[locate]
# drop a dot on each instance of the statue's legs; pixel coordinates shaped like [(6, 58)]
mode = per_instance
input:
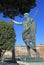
[(33, 43), (28, 48), (34, 47)]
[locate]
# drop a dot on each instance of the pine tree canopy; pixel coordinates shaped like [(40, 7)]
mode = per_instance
[(11, 8)]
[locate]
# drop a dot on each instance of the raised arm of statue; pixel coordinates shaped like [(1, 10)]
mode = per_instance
[(19, 23)]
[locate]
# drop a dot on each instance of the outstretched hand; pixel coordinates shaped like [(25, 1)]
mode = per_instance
[(16, 22)]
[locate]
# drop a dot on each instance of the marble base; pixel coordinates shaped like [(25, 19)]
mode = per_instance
[(30, 63)]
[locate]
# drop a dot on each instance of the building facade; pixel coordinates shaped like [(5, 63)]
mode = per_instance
[(22, 51)]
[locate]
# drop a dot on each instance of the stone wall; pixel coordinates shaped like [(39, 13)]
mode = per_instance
[(21, 50)]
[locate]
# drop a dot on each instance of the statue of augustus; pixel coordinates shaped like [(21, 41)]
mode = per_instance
[(29, 33)]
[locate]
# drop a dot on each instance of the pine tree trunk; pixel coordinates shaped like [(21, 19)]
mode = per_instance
[(0, 53), (13, 56)]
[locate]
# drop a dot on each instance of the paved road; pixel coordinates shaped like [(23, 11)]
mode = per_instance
[(5, 63)]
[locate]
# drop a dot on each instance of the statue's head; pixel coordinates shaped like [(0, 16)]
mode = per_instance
[(26, 15)]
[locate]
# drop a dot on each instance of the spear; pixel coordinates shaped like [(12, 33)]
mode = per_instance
[(36, 13)]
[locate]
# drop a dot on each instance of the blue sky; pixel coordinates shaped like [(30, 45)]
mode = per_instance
[(39, 20)]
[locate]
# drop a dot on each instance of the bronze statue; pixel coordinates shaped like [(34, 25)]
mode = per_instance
[(28, 33)]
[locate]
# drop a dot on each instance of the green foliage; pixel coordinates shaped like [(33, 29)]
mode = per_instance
[(7, 36), (11, 8)]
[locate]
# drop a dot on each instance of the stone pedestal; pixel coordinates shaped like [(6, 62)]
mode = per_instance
[(31, 59), (30, 63)]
